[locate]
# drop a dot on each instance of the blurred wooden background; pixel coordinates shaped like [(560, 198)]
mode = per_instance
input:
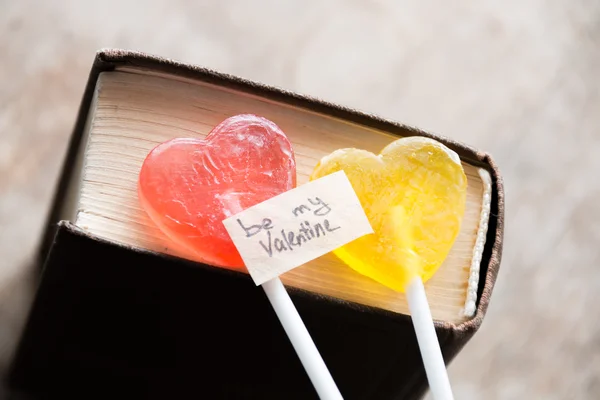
[(520, 79)]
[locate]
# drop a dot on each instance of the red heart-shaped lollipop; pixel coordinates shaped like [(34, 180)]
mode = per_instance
[(189, 186)]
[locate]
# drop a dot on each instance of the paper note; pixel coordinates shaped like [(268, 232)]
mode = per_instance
[(297, 226)]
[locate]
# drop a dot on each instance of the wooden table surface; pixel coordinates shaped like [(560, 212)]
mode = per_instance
[(520, 79)]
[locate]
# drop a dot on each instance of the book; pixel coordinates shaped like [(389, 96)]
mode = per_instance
[(102, 252)]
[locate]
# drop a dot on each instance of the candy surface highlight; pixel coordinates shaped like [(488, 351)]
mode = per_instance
[(189, 186), (414, 194)]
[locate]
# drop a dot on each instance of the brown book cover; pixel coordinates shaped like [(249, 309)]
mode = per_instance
[(111, 320)]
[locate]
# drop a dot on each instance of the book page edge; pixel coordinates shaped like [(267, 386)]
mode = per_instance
[(71, 205), (473, 282), (473, 286)]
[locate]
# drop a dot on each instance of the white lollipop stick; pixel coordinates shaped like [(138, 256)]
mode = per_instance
[(439, 384), (303, 344)]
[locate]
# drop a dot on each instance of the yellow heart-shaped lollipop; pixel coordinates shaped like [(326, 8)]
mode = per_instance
[(414, 195)]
